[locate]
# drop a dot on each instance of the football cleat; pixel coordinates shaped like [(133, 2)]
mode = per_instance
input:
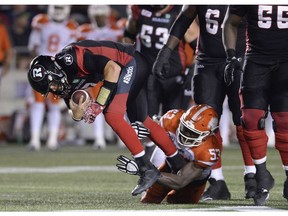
[(147, 179), (285, 190), (265, 182), (216, 191), (250, 185)]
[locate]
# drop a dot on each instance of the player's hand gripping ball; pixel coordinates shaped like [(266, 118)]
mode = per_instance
[(79, 102)]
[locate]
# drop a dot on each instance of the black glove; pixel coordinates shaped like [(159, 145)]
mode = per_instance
[(232, 64), (161, 65), (127, 166), (141, 131)]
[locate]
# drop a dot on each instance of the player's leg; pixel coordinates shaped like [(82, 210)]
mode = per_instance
[(190, 194), (253, 121), (36, 114), (54, 120), (208, 89), (235, 107), (156, 193), (98, 131), (279, 109)]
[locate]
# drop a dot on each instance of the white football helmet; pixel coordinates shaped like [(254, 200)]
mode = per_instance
[(59, 13), (98, 14), (196, 124), (99, 10)]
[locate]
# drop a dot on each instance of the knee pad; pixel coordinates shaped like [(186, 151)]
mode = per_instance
[(280, 121), (253, 119)]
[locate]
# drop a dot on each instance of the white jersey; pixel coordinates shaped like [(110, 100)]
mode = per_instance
[(49, 37), (87, 31)]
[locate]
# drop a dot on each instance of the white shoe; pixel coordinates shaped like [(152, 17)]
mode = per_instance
[(99, 144), (52, 146), (34, 146)]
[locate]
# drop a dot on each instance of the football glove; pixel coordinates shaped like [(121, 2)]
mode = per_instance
[(92, 112), (161, 66), (233, 64), (127, 166), (141, 131)]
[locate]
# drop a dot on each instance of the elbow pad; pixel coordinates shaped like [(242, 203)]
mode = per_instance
[(180, 26)]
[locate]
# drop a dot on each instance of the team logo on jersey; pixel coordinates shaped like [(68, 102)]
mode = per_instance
[(37, 73), (68, 59), (128, 75), (146, 13)]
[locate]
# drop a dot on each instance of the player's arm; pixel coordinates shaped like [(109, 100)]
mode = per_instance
[(230, 30), (187, 174), (161, 66), (181, 25), (130, 31)]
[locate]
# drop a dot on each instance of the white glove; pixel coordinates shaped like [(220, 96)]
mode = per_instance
[(141, 131), (127, 166)]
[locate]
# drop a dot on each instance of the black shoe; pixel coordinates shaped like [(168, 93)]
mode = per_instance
[(285, 190), (250, 185), (147, 179), (265, 182), (216, 191)]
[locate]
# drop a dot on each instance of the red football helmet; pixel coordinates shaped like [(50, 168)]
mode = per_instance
[(196, 124)]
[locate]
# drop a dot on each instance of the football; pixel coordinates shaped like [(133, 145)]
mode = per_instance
[(75, 97)]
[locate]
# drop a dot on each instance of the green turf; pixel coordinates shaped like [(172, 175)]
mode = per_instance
[(104, 190)]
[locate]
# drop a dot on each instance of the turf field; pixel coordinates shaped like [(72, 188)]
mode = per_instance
[(78, 178)]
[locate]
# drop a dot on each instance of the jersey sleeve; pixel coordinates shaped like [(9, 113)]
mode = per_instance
[(239, 10), (208, 153)]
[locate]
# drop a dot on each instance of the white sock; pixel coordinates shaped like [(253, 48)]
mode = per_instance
[(36, 121), (217, 174), (158, 157)]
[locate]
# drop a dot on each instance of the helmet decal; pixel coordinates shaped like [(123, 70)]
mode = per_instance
[(68, 59), (38, 73)]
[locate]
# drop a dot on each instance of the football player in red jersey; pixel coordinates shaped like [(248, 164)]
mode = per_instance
[(209, 85), (192, 132), (120, 72), (264, 83)]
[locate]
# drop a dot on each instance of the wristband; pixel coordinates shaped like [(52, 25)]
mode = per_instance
[(230, 53), (105, 92)]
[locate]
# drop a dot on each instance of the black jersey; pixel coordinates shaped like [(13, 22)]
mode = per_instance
[(210, 47), (267, 28), (153, 30), (84, 61)]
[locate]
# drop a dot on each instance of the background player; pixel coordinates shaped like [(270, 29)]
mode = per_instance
[(264, 83), (148, 28), (100, 28), (208, 82), (50, 33)]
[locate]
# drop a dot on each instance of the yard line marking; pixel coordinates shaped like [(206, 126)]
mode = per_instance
[(58, 169), (73, 169)]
